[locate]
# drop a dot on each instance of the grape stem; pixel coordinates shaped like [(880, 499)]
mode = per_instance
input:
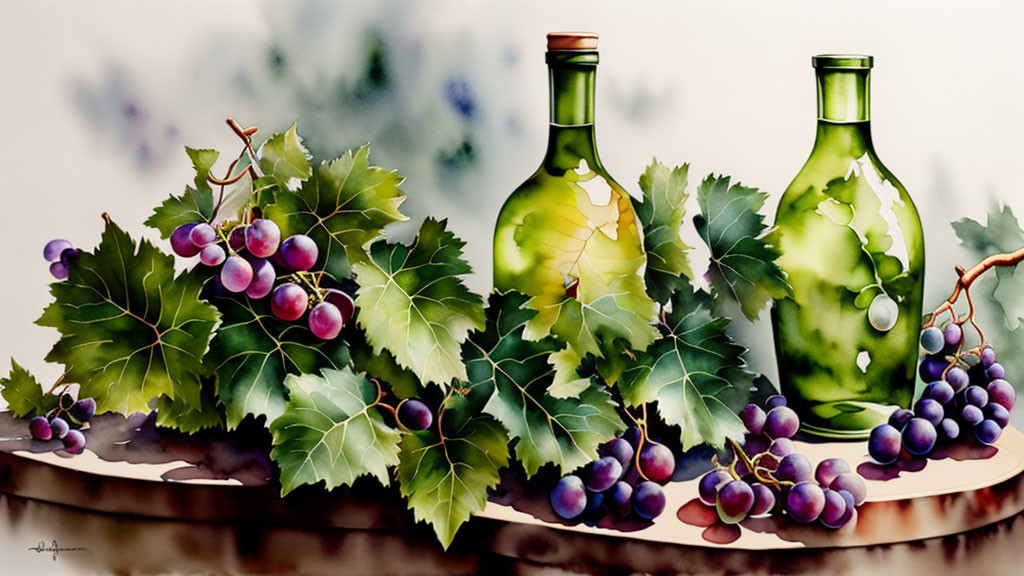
[(387, 407), (641, 424)]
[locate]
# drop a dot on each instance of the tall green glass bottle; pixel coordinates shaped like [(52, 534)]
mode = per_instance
[(852, 244), (569, 226)]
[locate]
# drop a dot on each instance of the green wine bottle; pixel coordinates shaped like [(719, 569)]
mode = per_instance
[(852, 245), (569, 231)]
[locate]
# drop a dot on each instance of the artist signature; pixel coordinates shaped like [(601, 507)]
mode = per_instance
[(54, 548)]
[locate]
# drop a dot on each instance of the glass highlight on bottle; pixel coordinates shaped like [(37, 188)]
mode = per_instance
[(852, 245)]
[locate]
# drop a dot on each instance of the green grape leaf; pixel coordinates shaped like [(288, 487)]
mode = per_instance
[(742, 258), (446, 478), (661, 213), (567, 382), (24, 395), (195, 205), (694, 373), (344, 206), (130, 330), (175, 414), (254, 351), (285, 160), (515, 376), (412, 302), (382, 366), (331, 431), (1001, 234)]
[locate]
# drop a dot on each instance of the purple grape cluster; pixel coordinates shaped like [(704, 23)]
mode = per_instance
[(960, 403), (613, 484), (250, 257), (65, 423), (61, 255), (768, 476)]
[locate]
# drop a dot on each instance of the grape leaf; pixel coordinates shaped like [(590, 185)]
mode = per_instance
[(661, 214), (254, 351), (284, 159), (24, 395), (343, 207), (173, 413), (742, 259), (412, 302), (382, 366), (446, 478), (1001, 234), (515, 376), (331, 431), (195, 205), (693, 372), (567, 382), (130, 330)]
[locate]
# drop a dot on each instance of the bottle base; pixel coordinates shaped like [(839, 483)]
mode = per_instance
[(844, 420)]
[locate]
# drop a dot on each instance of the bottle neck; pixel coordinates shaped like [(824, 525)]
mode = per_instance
[(843, 95), (571, 81)]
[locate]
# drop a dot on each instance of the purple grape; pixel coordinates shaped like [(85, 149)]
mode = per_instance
[(594, 509), (988, 356), (601, 474), (884, 444), (919, 436), (976, 396), (299, 252), (181, 243), (782, 447), (805, 502), (710, 483), (236, 274), (957, 380), (289, 301), (775, 401), (753, 418), (74, 442), (997, 413), (620, 498), (755, 444), (995, 372), (619, 449), (657, 462), (735, 498), (953, 335), (971, 414), (1000, 392), (851, 510), (930, 410), (828, 469), (987, 432), (941, 392), (932, 340), (415, 415), (39, 428), (262, 238), (59, 270), (568, 498), (236, 240), (69, 256), (343, 301), (948, 429), (54, 248), (794, 468), (263, 276), (83, 410), (59, 427), (325, 321), (834, 509), (900, 417), (648, 500), (932, 367), (632, 435), (202, 235), (764, 500), (853, 483), (212, 255), (781, 422)]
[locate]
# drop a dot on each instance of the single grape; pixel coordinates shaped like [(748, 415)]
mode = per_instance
[(764, 500), (828, 469), (853, 483), (930, 410), (775, 401), (415, 415), (987, 432), (620, 498), (900, 417), (755, 443), (782, 447), (948, 429), (735, 498), (632, 435), (69, 256), (236, 274), (343, 301), (83, 410), (805, 502), (59, 270), (995, 372), (952, 334), (753, 418), (997, 413), (919, 436), (39, 428), (971, 414), (181, 243), (74, 442), (834, 509), (262, 238), (851, 511), (202, 235), (601, 474), (657, 462), (794, 468), (619, 449), (988, 356), (289, 301), (236, 240), (710, 483), (931, 367), (568, 498), (941, 392), (212, 255), (54, 248), (263, 277), (884, 444), (781, 422), (932, 340), (957, 379), (594, 509), (325, 321), (299, 252), (59, 427), (648, 500), (976, 396), (1000, 392)]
